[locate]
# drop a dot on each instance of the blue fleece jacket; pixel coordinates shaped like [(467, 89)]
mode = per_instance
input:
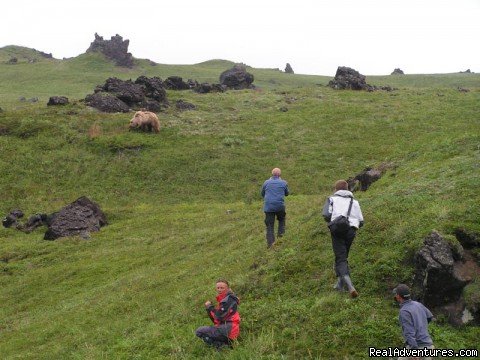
[(414, 319), (274, 191)]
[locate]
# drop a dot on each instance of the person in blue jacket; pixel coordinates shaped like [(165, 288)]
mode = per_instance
[(273, 192), (414, 318)]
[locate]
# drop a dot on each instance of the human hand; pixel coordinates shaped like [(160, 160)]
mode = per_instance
[(208, 304)]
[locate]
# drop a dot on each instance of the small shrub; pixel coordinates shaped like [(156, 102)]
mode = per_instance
[(231, 142)]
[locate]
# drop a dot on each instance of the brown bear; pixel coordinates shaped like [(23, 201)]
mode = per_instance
[(146, 121)]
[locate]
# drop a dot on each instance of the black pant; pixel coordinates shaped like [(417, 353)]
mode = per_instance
[(341, 244), (213, 336), (270, 223)]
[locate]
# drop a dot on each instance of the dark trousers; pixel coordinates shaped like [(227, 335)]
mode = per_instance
[(270, 223), (341, 244), (213, 336)]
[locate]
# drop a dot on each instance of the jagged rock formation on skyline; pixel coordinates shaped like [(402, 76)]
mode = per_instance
[(397, 71), (288, 69), (115, 49)]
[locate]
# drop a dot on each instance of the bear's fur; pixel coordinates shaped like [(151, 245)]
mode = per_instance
[(146, 121)]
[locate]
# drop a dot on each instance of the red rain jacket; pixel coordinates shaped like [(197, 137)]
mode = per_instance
[(225, 315)]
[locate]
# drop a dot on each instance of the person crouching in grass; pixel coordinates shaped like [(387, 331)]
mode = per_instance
[(225, 318)]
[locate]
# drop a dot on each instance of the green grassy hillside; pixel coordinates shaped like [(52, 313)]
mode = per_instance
[(184, 209)]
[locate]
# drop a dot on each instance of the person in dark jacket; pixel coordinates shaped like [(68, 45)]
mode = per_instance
[(336, 206), (414, 318), (225, 318), (273, 192)]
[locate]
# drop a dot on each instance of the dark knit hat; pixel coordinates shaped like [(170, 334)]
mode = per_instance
[(402, 290)]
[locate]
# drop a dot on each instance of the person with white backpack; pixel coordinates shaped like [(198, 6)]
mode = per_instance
[(344, 217)]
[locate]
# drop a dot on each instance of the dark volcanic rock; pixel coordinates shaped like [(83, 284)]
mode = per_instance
[(79, 218), (237, 78), (154, 87), (127, 91), (348, 78), (116, 49), (176, 83), (440, 277), (398, 71), (205, 88), (153, 105), (12, 218), (106, 103), (368, 176), (192, 83), (183, 105), (36, 221), (288, 69), (365, 178), (120, 95), (468, 239), (57, 100)]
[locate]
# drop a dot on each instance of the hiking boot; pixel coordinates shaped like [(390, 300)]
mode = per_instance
[(347, 281), (339, 286)]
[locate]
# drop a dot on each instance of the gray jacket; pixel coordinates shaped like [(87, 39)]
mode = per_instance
[(414, 319), (338, 204)]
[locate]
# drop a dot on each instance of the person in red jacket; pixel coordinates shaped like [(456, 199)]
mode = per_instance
[(225, 317)]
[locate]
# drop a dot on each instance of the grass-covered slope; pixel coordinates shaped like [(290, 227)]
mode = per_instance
[(184, 209)]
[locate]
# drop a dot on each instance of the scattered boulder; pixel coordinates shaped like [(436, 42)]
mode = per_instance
[(154, 88), (442, 271), (12, 61), (469, 240), (153, 105), (121, 95), (398, 71), (237, 78), (288, 69), (466, 72), (57, 100), (367, 177), (115, 49), (183, 105), (283, 109), (125, 90), (348, 78), (36, 221), (461, 89), (205, 88), (106, 103), (192, 83), (76, 219), (11, 220), (176, 83)]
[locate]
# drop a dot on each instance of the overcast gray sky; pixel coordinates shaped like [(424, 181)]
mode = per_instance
[(314, 36)]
